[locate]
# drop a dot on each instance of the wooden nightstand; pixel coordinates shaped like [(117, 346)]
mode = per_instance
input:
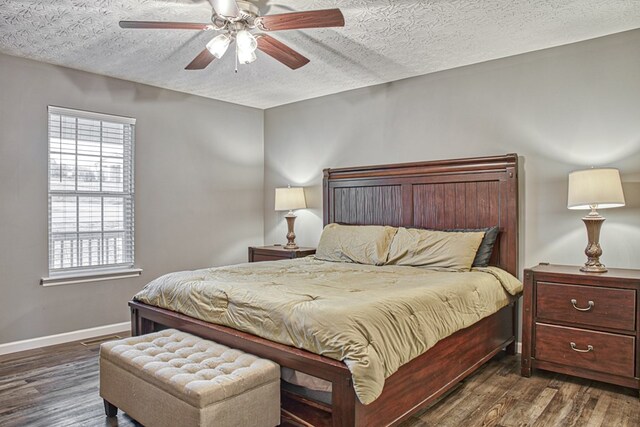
[(582, 324), (275, 253)]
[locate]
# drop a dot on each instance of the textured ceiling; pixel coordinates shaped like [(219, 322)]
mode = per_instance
[(383, 40)]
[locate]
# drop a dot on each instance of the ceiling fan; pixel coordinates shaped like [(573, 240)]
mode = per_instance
[(235, 20)]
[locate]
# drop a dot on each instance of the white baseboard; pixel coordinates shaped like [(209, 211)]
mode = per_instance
[(83, 334)]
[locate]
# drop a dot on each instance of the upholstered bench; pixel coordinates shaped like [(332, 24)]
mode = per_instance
[(171, 378)]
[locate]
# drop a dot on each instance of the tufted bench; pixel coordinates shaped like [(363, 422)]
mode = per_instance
[(171, 378)]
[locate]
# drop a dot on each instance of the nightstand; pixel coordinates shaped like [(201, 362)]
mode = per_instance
[(275, 253), (582, 324)]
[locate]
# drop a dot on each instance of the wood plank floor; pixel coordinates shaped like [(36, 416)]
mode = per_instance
[(58, 386)]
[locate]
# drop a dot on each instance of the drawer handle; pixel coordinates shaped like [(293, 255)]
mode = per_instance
[(574, 348), (574, 302)]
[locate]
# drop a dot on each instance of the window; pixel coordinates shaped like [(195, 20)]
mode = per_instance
[(90, 192)]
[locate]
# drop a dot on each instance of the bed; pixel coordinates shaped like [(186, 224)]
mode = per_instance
[(448, 194)]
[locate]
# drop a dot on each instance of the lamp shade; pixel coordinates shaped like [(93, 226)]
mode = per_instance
[(600, 187), (219, 45), (290, 198)]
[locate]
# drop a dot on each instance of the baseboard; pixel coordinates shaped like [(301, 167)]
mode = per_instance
[(83, 334)]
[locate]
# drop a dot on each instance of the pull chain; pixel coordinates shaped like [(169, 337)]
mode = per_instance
[(236, 58)]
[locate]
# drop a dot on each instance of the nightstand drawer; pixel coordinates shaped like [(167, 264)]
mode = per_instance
[(587, 305), (263, 257), (597, 351)]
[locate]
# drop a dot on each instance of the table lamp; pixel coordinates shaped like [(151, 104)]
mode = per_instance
[(594, 189), (288, 199)]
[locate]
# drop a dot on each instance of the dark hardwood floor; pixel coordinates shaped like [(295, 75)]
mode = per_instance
[(58, 386)]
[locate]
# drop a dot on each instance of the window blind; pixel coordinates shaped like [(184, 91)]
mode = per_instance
[(91, 191)]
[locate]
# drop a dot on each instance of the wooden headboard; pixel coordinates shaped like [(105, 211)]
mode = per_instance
[(442, 194)]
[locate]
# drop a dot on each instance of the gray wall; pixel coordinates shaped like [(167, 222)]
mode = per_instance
[(560, 109), (199, 191)]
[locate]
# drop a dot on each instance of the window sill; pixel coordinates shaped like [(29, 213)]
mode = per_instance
[(87, 277)]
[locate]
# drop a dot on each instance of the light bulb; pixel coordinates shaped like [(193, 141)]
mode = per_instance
[(246, 40), (219, 45), (246, 56)]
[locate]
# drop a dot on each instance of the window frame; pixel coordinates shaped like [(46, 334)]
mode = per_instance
[(72, 275)]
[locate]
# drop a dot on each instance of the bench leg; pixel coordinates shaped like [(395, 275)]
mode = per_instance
[(109, 409)]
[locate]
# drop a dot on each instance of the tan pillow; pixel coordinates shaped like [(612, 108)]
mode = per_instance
[(362, 244), (434, 249)]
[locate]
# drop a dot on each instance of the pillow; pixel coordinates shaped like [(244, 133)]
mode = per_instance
[(436, 249), (362, 244), (483, 256)]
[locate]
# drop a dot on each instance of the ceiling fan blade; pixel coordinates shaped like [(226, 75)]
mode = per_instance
[(165, 25), (226, 8), (281, 52), (299, 20), (201, 61)]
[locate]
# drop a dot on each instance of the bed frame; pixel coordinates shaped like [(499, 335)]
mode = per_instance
[(444, 194)]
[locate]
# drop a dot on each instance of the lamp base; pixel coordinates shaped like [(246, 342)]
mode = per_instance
[(593, 222), (291, 236), (600, 268)]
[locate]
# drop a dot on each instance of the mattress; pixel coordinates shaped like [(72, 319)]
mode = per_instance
[(373, 318)]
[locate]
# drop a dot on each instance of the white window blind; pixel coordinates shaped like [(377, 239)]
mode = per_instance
[(90, 191)]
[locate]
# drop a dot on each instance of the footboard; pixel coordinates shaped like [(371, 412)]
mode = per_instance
[(412, 387)]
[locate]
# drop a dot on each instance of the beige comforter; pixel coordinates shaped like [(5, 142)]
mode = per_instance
[(373, 318)]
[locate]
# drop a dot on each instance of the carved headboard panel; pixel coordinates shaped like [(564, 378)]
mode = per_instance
[(443, 194)]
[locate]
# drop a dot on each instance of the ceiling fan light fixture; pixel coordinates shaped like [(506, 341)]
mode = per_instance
[(219, 45), (246, 56), (236, 19), (246, 41)]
